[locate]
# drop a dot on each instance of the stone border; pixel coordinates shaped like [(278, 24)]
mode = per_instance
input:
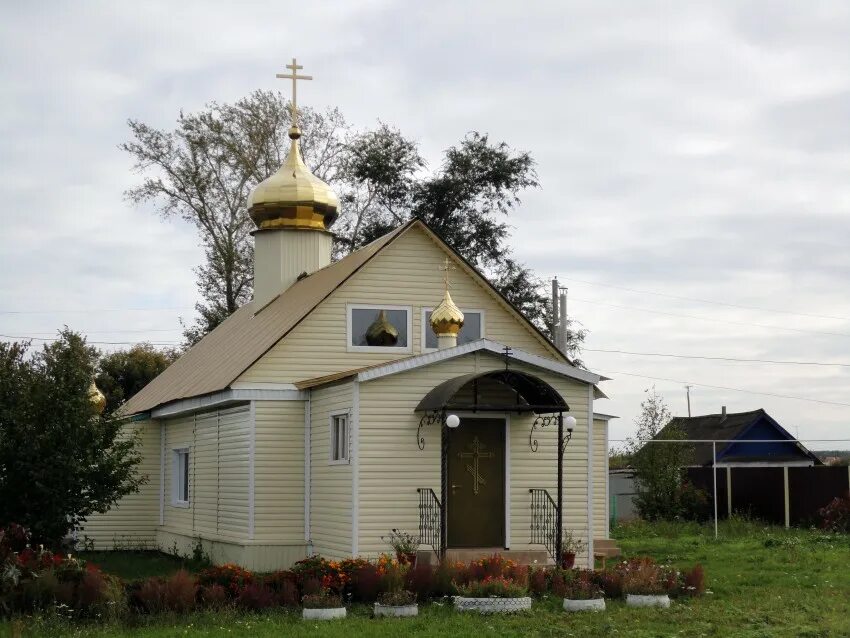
[(331, 613), (493, 605), (644, 600), (396, 611), (592, 604)]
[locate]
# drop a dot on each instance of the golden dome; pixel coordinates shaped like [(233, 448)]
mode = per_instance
[(446, 319), (96, 398), (381, 332), (293, 197)]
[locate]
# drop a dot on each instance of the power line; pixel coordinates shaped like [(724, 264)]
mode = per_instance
[(99, 332), (707, 301), (707, 358), (723, 387), (738, 323), (100, 343)]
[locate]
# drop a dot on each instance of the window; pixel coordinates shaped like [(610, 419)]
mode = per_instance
[(473, 328), (180, 478), (379, 328), (339, 438)]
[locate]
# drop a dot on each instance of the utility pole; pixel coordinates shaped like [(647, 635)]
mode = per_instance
[(688, 393), (555, 313)]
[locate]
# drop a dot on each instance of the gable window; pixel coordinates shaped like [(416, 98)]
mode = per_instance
[(180, 478), (379, 328), (473, 328), (339, 438)]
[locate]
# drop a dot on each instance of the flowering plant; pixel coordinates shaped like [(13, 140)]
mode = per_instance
[(322, 600), (403, 543), (582, 586), (493, 587), (232, 577)]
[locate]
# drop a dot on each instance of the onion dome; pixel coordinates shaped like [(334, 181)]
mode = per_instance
[(96, 398), (382, 332), (447, 319), (293, 197)]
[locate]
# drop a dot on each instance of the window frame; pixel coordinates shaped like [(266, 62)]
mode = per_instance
[(427, 326), (332, 437), (181, 479), (349, 323)]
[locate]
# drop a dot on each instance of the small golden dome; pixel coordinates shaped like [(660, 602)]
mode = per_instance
[(382, 332), (96, 398), (293, 197), (446, 319)]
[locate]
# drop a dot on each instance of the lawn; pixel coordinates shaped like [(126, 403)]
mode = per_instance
[(763, 582)]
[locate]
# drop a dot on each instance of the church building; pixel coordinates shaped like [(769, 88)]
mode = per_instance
[(392, 389)]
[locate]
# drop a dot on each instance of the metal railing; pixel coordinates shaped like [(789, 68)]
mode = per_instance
[(429, 518), (544, 521)]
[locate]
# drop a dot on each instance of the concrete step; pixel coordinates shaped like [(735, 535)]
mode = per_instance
[(468, 554)]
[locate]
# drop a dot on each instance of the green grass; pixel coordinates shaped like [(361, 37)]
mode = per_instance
[(764, 582)]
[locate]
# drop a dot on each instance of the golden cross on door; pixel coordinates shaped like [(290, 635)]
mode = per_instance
[(446, 267), (476, 455), (295, 67)]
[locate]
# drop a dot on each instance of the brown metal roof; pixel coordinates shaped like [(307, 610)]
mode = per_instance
[(220, 357)]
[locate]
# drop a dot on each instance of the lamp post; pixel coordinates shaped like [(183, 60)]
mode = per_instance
[(570, 423)]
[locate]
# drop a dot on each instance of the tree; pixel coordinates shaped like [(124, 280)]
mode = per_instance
[(122, 373), (661, 491), (204, 170), (60, 460)]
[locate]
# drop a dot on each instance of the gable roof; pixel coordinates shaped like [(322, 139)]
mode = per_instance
[(224, 354), (728, 428), (378, 370)]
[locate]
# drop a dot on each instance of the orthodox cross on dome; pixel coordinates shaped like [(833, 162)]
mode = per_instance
[(446, 267), (476, 455), (295, 67)]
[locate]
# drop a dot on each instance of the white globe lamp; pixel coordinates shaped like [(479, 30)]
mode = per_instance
[(453, 420), (570, 422)]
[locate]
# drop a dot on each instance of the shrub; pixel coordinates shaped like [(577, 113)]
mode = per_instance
[(538, 582), (151, 595), (493, 587), (422, 581), (255, 597), (283, 585), (180, 592), (311, 587), (367, 583), (835, 517), (321, 600), (232, 577), (582, 586), (397, 598), (693, 581), (611, 582), (644, 576), (214, 596), (446, 578)]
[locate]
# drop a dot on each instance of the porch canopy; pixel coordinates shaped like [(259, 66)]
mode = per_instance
[(523, 393)]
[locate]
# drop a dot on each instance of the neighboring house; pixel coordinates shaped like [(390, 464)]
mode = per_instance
[(315, 418), (732, 430)]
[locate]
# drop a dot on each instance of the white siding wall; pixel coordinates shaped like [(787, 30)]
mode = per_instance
[(330, 495), (219, 444), (392, 467), (133, 520), (600, 476), (406, 273), (279, 468)]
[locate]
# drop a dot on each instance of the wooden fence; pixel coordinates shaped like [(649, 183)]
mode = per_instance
[(782, 495)]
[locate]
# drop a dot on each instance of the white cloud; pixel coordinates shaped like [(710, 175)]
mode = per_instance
[(697, 150)]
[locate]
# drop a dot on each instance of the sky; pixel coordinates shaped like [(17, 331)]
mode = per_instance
[(693, 161)]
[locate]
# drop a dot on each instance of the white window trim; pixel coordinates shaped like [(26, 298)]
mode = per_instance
[(426, 326), (331, 417), (176, 450), (362, 306)]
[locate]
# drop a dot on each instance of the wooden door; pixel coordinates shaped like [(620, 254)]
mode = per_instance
[(476, 484)]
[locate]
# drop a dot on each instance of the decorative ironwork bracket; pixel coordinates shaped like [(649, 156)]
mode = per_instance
[(429, 418), (541, 421), (565, 441)]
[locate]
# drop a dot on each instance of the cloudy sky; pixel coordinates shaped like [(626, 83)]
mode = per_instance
[(694, 164)]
